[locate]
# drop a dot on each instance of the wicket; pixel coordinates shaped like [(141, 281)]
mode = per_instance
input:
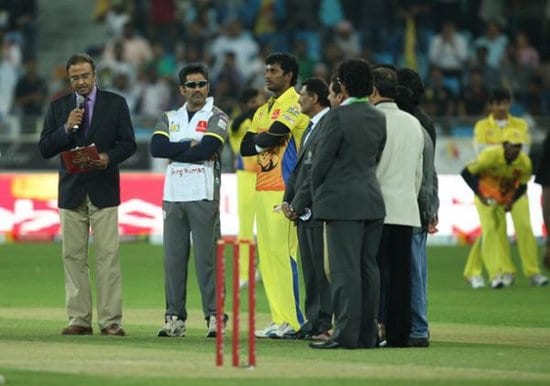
[(220, 302)]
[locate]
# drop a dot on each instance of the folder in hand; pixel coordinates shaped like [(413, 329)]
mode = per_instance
[(79, 159)]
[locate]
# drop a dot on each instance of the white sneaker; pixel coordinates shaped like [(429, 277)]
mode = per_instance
[(476, 282), (539, 280), (508, 279), (267, 331), (211, 324), (172, 327), (243, 283), (285, 331), (497, 282)]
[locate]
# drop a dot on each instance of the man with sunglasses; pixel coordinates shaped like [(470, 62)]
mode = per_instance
[(90, 199), (191, 138)]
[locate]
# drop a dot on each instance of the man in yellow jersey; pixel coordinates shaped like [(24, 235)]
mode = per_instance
[(246, 169), (276, 131), (489, 131), (499, 179)]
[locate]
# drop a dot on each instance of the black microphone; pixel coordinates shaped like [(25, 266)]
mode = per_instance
[(80, 105)]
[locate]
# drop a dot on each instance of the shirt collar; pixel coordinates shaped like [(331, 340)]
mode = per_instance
[(317, 117)]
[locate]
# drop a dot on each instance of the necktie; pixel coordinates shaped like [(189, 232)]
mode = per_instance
[(85, 118), (308, 131)]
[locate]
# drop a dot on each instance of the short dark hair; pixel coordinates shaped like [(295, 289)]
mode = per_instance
[(288, 63), (411, 80), (192, 68), (385, 81), (356, 75), (498, 94), (247, 94), (318, 87), (80, 58)]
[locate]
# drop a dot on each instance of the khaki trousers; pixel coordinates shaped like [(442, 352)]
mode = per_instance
[(75, 227)]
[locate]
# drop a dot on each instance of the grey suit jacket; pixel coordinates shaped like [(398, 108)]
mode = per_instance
[(298, 188), (343, 172)]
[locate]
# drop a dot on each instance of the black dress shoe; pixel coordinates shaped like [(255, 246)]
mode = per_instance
[(303, 335), (328, 344)]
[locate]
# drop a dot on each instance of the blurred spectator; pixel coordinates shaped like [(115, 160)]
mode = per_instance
[(347, 39), (122, 85), (449, 52), (514, 75), (21, 24), (8, 80), (163, 61), (109, 68), (301, 20), (155, 94), (475, 95), (438, 99), (305, 63), (115, 14), (11, 48), (528, 55), (136, 50), (320, 70), (230, 73), (495, 41), (234, 39), (265, 24), (491, 76), (30, 94), (162, 23)]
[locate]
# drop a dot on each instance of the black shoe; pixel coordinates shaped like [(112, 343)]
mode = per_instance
[(303, 335), (418, 342), (328, 344)]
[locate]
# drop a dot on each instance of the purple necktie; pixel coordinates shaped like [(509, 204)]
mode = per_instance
[(85, 118)]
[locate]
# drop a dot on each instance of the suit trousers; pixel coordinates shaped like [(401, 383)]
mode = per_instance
[(355, 280), (317, 299), (199, 220), (75, 228), (394, 260)]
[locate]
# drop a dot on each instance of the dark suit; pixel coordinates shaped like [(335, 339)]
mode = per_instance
[(347, 196), (310, 239), (112, 132), (89, 200)]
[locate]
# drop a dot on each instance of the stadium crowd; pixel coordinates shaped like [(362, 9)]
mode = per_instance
[(461, 49)]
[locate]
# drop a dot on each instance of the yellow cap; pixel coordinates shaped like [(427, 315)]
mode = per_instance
[(513, 136)]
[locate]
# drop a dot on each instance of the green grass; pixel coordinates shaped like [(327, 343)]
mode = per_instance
[(482, 337)]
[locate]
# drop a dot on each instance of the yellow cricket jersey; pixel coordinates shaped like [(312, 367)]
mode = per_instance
[(498, 179), (249, 164), (488, 132), (276, 164)]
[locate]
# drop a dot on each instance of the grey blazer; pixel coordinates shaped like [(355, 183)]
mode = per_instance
[(343, 172)]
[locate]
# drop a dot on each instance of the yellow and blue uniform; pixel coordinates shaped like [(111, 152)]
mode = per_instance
[(499, 180), (246, 169), (277, 240), (490, 132)]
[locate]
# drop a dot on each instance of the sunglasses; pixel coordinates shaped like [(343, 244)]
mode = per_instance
[(199, 84)]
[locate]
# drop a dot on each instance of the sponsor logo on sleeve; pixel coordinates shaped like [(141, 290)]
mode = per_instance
[(275, 114), (202, 126)]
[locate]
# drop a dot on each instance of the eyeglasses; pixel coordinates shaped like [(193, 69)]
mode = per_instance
[(85, 76), (199, 84)]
